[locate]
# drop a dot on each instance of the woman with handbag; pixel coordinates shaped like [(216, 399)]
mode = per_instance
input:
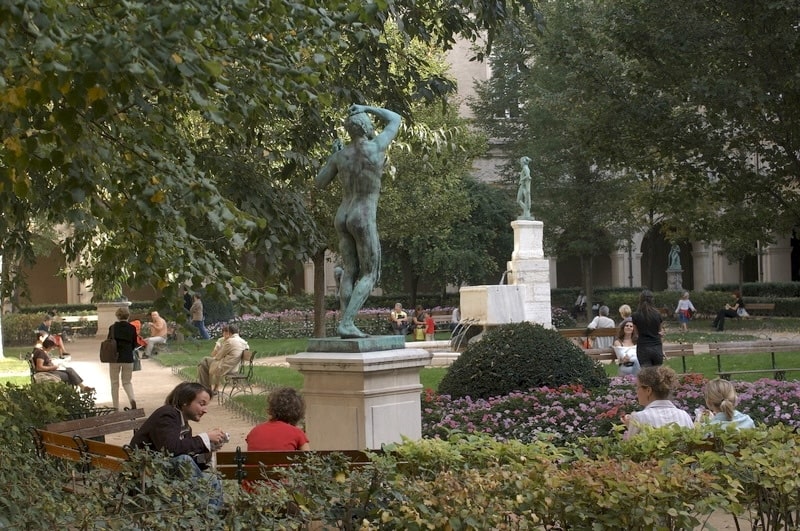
[(684, 311), (125, 335)]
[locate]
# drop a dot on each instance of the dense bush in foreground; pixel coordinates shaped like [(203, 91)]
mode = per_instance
[(670, 479)]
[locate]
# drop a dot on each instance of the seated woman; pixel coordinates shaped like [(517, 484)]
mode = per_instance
[(285, 408), (653, 387), (43, 363), (728, 311), (721, 400), (625, 349)]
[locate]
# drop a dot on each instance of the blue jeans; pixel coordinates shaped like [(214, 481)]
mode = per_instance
[(185, 462), (201, 327)]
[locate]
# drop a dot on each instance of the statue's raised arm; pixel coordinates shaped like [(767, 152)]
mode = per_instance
[(359, 166)]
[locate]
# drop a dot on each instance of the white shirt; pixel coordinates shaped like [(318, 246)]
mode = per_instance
[(656, 414), (601, 321)]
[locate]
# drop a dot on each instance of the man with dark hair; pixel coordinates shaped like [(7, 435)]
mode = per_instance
[(359, 166), (167, 430)]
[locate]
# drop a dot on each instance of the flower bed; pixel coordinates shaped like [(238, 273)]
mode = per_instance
[(567, 413)]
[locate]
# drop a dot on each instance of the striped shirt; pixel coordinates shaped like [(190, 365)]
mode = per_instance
[(656, 414)]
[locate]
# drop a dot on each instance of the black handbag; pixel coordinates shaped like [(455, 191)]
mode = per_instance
[(108, 349)]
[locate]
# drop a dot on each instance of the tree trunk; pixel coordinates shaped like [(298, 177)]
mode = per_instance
[(588, 285), (319, 293)]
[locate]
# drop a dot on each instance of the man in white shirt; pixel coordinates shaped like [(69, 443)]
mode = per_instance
[(602, 321)]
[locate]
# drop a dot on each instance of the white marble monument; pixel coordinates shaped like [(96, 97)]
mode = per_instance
[(526, 297)]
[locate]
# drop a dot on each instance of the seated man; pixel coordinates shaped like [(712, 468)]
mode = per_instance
[(167, 430), (399, 320), (601, 321), (158, 333), (224, 359)]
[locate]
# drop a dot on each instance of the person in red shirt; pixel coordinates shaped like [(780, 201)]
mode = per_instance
[(285, 408), (430, 327)]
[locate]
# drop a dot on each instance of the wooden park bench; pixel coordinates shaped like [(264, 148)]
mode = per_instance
[(759, 309), (87, 454), (579, 335), (721, 350), (85, 325), (671, 350), (100, 425), (242, 466)]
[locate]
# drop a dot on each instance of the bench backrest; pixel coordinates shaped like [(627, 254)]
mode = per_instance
[(103, 455), (96, 426), (244, 466), (56, 445)]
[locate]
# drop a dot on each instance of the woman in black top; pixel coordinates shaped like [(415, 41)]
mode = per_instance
[(647, 319), (125, 335), (728, 311)]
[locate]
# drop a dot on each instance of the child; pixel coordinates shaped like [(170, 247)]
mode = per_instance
[(721, 399), (430, 327), (285, 408), (684, 311)]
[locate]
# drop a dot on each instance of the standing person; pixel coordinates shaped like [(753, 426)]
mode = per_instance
[(167, 429), (625, 349), (647, 318), (524, 191), (684, 311), (601, 321), (43, 363), (158, 333), (285, 409), (728, 311), (721, 399), (580, 305), (399, 320), (625, 312), (198, 319), (455, 320), (430, 327), (125, 334), (359, 166), (653, 387), (47, 322)]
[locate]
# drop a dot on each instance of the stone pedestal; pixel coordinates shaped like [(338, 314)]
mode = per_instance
[(675, 279), (361, 393), (106, 315), (529, 268)]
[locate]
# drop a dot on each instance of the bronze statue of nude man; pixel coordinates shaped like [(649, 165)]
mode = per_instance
[(359, 166)]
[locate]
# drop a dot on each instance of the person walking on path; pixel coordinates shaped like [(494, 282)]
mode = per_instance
[(125, 335), (198, 319), (359, 166), (684, 311)]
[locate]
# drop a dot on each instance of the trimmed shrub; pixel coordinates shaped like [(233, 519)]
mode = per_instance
[(518, 357)]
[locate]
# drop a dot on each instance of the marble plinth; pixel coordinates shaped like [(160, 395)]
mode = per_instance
[(361, 400)]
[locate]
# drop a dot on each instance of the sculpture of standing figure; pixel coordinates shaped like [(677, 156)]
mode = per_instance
[(675, 258), (524, 191), (359, 166)]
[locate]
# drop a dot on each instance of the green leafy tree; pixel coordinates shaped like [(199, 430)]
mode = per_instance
[(120, 122)]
